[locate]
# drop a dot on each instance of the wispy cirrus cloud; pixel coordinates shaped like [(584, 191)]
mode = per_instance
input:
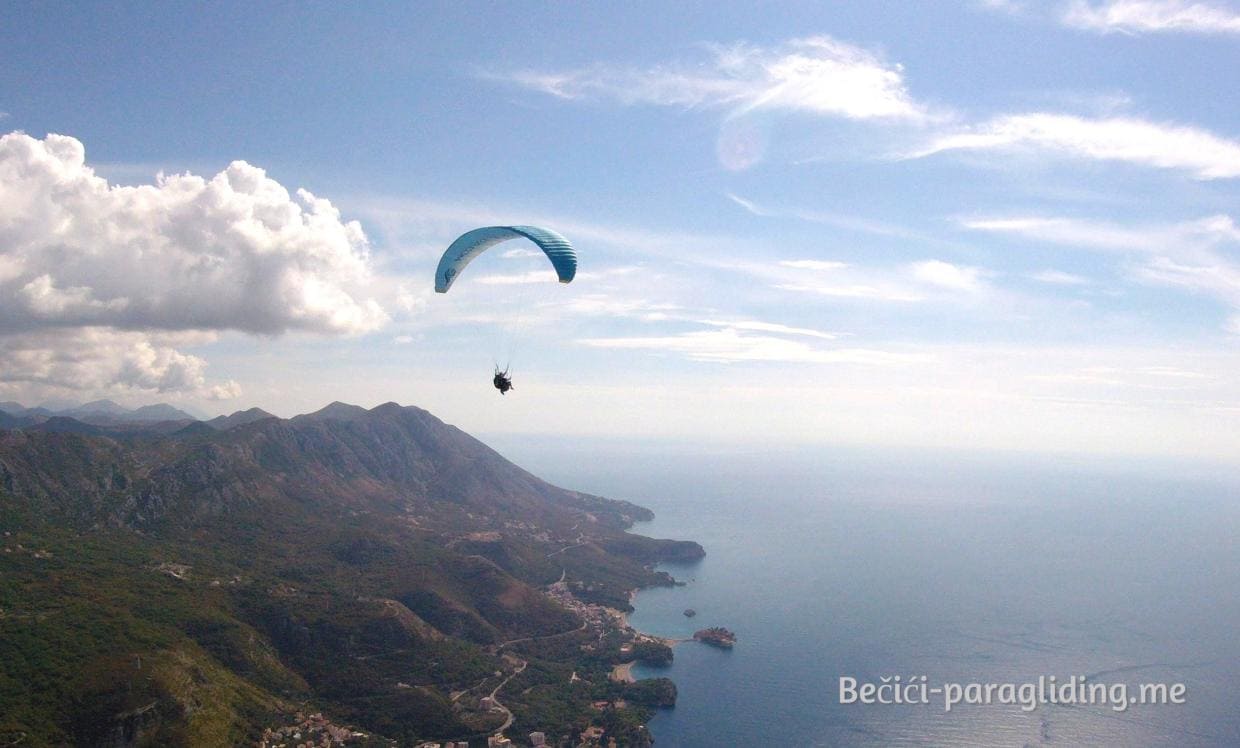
[(1165, 238), (909, 283), (818, 75), (731, 344), (757, 326), (1217, 277), (1199, 152), (1059, 278), (825, 218), (814, 264), (1152, 16), (1189, 255)]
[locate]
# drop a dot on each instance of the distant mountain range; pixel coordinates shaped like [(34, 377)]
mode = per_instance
[(102, 409), (201, 585), (158, 418)]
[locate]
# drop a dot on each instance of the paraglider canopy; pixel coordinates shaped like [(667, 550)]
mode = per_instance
[(473, 243)]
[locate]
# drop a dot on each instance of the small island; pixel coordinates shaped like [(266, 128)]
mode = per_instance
[(716, 636), (690, 612)]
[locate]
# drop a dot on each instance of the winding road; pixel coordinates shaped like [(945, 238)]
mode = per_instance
[(507, 722)]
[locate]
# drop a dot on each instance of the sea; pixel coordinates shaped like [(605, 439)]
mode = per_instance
[(946, 569)]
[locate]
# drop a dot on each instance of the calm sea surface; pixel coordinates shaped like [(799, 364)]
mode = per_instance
[(961, 568)]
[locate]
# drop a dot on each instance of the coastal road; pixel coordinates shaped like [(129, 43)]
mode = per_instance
[(581, 540), (501, 645)]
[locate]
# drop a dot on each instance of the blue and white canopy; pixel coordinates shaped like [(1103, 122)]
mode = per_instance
[(473, 243)]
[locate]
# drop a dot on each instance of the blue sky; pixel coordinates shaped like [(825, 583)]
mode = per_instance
[(992, 225)]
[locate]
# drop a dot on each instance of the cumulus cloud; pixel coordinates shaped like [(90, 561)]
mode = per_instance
[(93, 276), (1151, 16), (232, 252), (818, 75), (96, 358), (1201, 153)]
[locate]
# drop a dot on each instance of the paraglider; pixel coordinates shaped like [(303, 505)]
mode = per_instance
[(473, 243), (502, 381)]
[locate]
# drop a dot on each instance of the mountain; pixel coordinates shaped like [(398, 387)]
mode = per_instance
[(96, 408), (100, 418), (19, 410), (379, 566), (239, 418), (158, 412), (104, 413), (66, 425), (336, 411)]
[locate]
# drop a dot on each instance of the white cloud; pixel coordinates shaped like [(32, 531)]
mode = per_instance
[(517, 279), (1059, 278), (97, 358), (411, 300), (1203, 154), (1141, 16), (232, 252), (229, 390), (731, 344), (1166, 238), (756, 326), (1219, 277), (948, 276), (613, 306), (854, 291), (1188, 255), (846, 222), (100, 283), (819, 75), (1013, 7), (520, 252), (824, 265), (914, 282)]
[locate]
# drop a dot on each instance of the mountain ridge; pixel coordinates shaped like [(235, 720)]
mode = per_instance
[(324, 558)]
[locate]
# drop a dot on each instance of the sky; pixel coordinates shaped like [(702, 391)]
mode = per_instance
[(978, 225)]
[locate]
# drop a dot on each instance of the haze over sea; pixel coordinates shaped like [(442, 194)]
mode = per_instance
[(963, 568)]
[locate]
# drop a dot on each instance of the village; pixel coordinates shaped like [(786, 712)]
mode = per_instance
[(603, 625)]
